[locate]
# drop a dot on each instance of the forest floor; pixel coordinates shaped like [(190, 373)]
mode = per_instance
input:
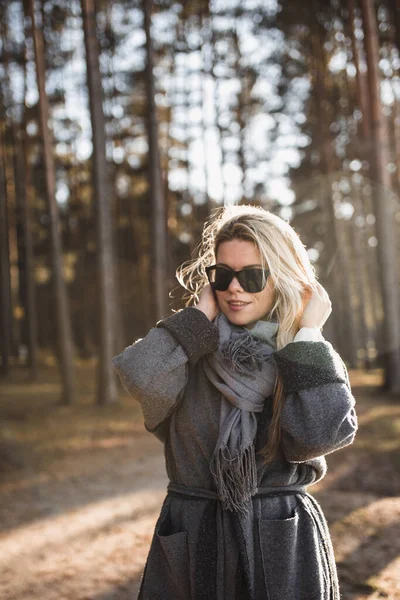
[(81, 488)]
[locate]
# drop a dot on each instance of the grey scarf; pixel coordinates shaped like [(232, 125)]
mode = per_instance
[(243, 371)]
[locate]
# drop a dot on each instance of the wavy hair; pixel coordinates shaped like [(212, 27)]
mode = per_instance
[(292, 273)]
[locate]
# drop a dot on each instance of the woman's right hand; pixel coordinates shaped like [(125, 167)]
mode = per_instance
[(208, 302)]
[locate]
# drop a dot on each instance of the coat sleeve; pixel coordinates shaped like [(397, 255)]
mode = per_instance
[(155, 368), (319, 414)]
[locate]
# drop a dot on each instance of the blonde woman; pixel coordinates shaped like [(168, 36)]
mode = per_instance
[(247, 397)]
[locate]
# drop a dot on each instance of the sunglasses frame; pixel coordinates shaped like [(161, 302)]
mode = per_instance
[(235, 274)]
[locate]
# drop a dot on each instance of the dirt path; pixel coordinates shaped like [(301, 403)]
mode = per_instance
[(84, 535), (82, 487)]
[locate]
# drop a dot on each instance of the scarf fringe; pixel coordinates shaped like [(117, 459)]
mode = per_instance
[(235, 478), (244, 354)]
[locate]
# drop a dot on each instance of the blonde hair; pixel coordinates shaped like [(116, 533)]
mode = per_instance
[(291, 271)]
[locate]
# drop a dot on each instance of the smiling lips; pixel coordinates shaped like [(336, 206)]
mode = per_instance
[(237, 305)]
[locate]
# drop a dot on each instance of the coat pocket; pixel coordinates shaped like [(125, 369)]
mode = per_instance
[(167, 573), (291, 560)]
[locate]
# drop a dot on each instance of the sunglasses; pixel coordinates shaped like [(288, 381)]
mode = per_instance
[(252, 280)]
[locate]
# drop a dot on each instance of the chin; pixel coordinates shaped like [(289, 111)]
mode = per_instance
[(241, 320)]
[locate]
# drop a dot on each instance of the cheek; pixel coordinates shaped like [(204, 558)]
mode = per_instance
[(267, 296)]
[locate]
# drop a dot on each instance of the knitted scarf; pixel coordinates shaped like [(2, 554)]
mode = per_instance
[(243, 371)]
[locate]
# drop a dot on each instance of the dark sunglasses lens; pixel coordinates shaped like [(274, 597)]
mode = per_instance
[(251, 280), (220, 278)]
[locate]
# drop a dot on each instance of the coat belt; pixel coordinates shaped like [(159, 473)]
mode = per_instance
[(196, 492)]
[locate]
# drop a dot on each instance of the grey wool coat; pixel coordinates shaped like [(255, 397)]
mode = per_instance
[(199, 551)]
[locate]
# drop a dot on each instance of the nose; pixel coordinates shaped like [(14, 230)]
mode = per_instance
[(235, 285)]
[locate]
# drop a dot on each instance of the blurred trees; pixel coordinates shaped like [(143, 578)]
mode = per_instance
[(61, 301), (379, 161), (106, 391), (295, 107), (157, 197)]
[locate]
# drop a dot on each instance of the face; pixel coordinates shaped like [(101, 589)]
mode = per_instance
[(238, 254)]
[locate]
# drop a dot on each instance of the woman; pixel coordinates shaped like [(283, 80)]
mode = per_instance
[(247, 397)]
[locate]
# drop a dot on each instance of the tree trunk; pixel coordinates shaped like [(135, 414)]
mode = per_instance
[(158, 206), (65, 348), (217, 106), (346, 328), (394, 130), (187, 196), (360, 239), (394, 7), (25, 252), (106, 379), (5, 282), (364, 287), (11, 198), (361, 83), (31, 316), (241, 106), (205, 51), (384, 205)]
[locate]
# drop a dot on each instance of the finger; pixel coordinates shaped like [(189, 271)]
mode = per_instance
[(326, 295), (322, 290)]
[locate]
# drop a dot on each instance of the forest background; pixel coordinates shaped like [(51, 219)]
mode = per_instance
[(123, 126)]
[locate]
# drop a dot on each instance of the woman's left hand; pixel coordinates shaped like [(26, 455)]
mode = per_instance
[(317, 307)]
